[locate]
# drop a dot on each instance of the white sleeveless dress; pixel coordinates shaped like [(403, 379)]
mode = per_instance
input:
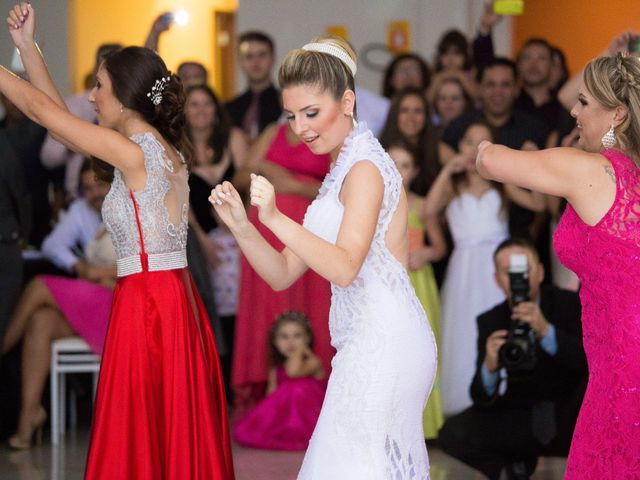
[(477, 226), (370, 427)]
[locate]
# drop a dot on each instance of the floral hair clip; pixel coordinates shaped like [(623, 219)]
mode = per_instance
[(156, 91)]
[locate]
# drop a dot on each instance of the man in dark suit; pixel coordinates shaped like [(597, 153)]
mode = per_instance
[(519, 416), (259, 105)]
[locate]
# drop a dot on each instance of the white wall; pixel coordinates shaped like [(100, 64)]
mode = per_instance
[(51, 33), (292, 23)]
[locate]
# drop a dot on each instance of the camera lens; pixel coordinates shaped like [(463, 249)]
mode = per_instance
[(512, 353)]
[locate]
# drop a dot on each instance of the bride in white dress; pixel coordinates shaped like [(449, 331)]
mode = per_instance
[(354, 235)]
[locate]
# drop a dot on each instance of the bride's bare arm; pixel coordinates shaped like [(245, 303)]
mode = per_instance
[(339, 263)]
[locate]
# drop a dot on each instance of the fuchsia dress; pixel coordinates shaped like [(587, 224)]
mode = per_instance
[(606, 258), (285, 419), (259, 304), (85, 306)]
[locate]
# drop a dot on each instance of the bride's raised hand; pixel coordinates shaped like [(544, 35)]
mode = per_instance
[(22, 24), (263, 196), (228, 205)]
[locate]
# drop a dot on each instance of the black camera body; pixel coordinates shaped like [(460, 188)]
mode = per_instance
[(518, 354)]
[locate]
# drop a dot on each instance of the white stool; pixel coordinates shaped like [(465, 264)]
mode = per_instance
[(68, 355)]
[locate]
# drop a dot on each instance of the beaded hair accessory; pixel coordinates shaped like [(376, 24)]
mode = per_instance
[(156, 91), (334, 52)]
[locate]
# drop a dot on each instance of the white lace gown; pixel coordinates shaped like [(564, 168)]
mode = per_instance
[(370, 427), (477, 226)]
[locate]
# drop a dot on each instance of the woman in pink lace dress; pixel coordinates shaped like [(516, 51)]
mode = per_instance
[(599, 238)]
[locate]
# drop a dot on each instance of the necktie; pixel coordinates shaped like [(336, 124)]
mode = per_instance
[(543, 419), (250, 121)]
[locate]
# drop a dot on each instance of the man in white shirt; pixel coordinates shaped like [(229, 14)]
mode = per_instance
[(79, 225)]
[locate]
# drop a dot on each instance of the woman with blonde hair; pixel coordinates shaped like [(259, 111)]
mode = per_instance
[(598, 237), (354, 235)]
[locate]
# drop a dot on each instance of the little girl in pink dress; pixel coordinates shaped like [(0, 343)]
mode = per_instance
[(286, 417)]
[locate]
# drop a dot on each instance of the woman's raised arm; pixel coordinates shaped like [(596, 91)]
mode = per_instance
[(22, 26), (586, 180)]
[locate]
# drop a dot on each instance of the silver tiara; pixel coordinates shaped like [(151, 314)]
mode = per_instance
[(334, 52), (156, 91)]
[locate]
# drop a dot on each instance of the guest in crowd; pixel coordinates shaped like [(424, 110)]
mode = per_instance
[(286, 417), (259, 105), (220, 150), (25, 138), (498, 93), (15, 217), (192, 73), (453, 60), (406, 70), (509, 428), (475, 210), (450, 101), (409, 122), (53, 307)]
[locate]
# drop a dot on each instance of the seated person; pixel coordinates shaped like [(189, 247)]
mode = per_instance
[(520, 414), (53, 307)]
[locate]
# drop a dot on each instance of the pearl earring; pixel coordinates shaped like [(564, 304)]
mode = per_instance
[(121, 108), (609, 139)]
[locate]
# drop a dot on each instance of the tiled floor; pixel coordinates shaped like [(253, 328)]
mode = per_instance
[(67, 463)]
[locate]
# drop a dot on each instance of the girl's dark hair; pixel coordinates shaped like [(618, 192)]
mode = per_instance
[(133, 72), (388, 90), (460, 178), (454, 40), (288, 317), (426, 148), (221, 128)]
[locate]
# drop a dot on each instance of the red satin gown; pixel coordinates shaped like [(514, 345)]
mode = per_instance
[(160, 411), (259, 304)]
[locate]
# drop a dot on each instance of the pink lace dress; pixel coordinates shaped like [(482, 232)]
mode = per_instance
[(606, 258)]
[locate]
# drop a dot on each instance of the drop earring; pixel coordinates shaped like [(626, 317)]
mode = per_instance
[(353, 119), (609, 139), (121, 108)]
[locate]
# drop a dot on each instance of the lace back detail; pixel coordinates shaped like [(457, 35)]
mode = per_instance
[(163, 206), (625, 211)]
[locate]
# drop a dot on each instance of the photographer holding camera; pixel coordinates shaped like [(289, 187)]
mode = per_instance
[(530, 377)]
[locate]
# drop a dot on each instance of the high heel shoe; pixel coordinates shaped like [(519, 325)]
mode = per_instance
[(37, 426)]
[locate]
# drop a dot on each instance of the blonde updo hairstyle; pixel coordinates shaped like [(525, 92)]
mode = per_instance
[(614, 82), (329, 73)]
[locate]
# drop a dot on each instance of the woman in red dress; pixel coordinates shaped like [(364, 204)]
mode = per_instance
[(160, 407), (296, 173)]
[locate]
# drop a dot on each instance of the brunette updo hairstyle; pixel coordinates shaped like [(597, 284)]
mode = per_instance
[(329, 73), (133, 72)]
